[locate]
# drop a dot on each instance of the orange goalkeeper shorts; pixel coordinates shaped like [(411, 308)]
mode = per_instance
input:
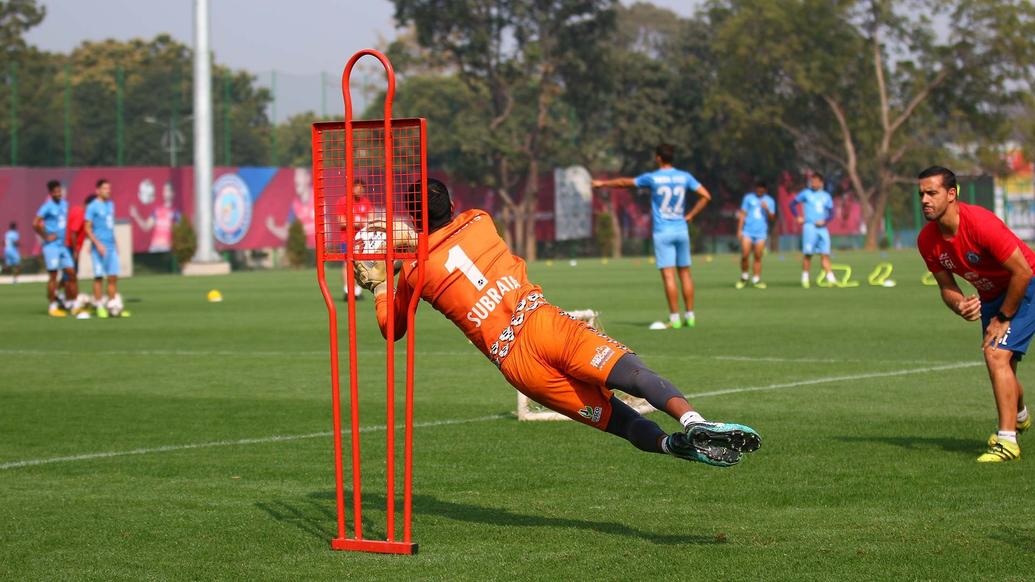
[(563, 364)]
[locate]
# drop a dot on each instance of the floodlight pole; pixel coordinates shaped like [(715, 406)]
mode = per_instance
[(202, 136), (205, 260)]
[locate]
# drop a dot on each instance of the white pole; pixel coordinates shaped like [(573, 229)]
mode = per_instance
[(202, 136)]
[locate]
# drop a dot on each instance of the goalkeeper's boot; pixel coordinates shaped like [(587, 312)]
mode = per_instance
[(741, 284), (102, 311), (677, 324), (1000, 451), (56, 311), (691, 321), (740, 438), (680, 445), (760, 285)]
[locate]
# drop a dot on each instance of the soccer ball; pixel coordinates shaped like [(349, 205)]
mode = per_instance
[(373, 238), (115, 306)]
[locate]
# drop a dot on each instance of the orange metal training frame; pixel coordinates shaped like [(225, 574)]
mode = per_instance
[(388, 157)]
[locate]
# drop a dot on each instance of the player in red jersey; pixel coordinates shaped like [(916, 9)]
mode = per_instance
[(472, 278), (362, 213), (973, 243)]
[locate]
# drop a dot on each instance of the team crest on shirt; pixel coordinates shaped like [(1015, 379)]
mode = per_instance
[(591, 412), (973, 257)]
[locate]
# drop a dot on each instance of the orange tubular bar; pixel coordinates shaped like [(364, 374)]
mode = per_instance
[(357, 542), (332, 316)]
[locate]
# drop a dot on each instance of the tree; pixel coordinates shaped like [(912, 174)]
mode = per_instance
[(512, 53), (16, 18), (869, 88), (155, 79)]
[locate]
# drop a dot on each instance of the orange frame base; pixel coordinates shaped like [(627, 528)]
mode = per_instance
[(375, 546)]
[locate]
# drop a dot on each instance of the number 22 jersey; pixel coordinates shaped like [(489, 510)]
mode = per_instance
[(473, 279)]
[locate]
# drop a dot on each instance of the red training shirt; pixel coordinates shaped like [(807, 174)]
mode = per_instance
[(76, 226), (977, 252)]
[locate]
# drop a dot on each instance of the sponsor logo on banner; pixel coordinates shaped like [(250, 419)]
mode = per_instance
[(232, 209)]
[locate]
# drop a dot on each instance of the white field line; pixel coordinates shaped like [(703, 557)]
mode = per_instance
[(829, 379), (402, 350), (280, 438), (239, 442)]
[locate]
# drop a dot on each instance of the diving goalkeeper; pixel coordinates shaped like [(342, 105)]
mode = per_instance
[(472, 278)]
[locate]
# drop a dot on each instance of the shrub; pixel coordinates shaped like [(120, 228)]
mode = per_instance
[(185, 242)]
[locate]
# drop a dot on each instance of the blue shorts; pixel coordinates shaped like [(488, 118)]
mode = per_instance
[(815, 240), (1022, 326), (755, 238), (672, 248), (12, 259), (108, 265), (56, 257)]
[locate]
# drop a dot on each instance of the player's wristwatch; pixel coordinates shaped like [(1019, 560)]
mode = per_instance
[(1004, 317)]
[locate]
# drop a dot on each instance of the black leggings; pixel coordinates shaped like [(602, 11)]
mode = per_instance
[(630, 375)]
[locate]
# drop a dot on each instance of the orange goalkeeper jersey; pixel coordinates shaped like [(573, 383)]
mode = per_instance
[(474, 280)]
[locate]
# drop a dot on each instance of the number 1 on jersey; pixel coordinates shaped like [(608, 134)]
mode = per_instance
[(458, 259)]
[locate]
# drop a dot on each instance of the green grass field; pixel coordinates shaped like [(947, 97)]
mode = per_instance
[(872, 403)]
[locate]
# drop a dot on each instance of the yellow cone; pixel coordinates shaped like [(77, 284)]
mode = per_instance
[(214, 296)]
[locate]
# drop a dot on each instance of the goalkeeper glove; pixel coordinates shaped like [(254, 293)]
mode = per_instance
[(372, 275)]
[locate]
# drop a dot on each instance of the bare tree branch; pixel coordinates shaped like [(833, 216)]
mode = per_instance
[(819, 149), (918, 99)]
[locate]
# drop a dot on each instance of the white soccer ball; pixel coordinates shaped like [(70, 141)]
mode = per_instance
[(115, 306), (373, 238)]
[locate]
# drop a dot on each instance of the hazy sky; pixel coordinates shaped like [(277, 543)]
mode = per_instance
[(299, 39)]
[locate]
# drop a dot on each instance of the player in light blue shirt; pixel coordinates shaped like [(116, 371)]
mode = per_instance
[(12, 258), (815, 237), (100, 229), (669, 187), (757, 210), (50, 222)]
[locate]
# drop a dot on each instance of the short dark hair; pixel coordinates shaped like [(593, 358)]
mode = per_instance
[(14, 226), (665, 151), (816, 174), (947, 175), (440, 207), (101, 182), (53, 185), (761, 184), (359, 182), (89, 198)]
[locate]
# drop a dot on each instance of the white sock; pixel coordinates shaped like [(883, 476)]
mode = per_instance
[(664, 445), (689, 315), (830, 276), (1008, 435), (744, 276), (53, 304), (804, 275), (1022, 415), (756, 279), (673, 317), (690, 417)]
